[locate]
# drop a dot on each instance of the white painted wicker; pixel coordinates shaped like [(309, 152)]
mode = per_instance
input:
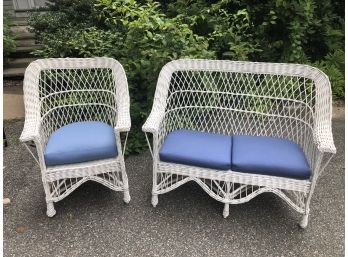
[(65, 90), (271, 99)]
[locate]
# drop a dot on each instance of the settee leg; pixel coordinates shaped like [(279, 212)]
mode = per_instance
[(50, 209), (154, 200), (304, 221), (126, 196), (226, 211)]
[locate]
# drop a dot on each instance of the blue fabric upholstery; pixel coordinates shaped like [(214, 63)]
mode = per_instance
[(197, 149), (269, 156), (80, 142)]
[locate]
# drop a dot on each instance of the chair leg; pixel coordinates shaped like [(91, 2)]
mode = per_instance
[(50, 209), (154, 200), (226, 211), (50, 206), (304, 221), (126, 196)]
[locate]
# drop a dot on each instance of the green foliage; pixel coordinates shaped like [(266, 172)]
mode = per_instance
[(229, 31), (333, 67), (231, 36), (86, 42), (9, 41), (145, 35)]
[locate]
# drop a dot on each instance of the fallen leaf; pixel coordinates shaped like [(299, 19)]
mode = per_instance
[(21, 229)]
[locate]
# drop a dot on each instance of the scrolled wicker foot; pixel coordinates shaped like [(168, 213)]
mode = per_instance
[(50, 210), (126, 196), (154, 200), (304, 221), (226, 211)]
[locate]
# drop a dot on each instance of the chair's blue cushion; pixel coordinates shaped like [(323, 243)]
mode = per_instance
[(80, 142), (197, 149), (269, 156)]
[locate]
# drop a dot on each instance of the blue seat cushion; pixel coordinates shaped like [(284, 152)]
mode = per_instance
[(80, 142), (269, 156), (195, 148)]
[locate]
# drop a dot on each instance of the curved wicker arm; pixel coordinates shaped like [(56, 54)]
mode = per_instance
[(324, 141), (32, 124), (323, 138), (30, 131), (123, 122), (152, 125), (322, 131), (157, 114), (153, 122)]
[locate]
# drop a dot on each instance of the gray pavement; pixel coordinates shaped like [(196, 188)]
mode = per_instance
[(13, 99), (94, 221)]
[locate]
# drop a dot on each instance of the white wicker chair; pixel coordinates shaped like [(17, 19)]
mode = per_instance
[(61, 91), (288, 101)]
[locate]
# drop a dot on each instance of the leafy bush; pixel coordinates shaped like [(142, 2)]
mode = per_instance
[(333, 67), (9, 42), (145, 35)]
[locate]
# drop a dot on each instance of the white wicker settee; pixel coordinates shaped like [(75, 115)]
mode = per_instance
[(200, 104), (75, 110)]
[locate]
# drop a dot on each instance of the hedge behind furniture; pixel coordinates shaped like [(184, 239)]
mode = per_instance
[(75, 110), (279, 108)]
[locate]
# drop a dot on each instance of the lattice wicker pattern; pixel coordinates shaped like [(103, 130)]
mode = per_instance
[(65, 90), (280, 100)]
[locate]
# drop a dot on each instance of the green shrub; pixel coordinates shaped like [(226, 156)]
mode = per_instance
[(229, 31), (9, 41), (309, 31), (333, 67)]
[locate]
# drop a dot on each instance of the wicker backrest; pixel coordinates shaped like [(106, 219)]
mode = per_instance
[(281, 100), (61, 91)]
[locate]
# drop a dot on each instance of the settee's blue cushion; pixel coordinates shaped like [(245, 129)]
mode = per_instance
[(269, 156), (80, 142), (195, 148)]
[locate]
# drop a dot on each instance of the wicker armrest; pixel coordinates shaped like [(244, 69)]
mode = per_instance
[(123, 123), (153, 122), (324, 142), (30, 132)]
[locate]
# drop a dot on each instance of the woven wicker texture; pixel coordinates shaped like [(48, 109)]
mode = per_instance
[(242, 98), (65, 90)]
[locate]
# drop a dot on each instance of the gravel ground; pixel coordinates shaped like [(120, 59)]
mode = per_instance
[(94, 221)]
